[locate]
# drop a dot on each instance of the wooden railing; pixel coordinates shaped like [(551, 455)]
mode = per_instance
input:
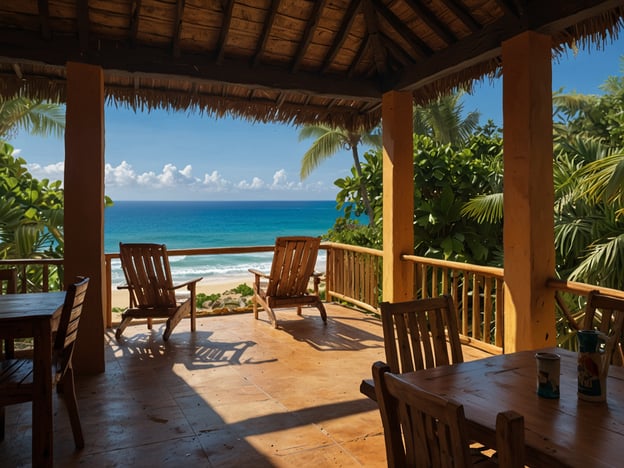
[(353, 276), (477, 292), (33, 275), (570, 300)]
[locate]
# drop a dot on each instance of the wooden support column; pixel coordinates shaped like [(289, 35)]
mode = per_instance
[(398, 196), (528, 192), (84, 206)]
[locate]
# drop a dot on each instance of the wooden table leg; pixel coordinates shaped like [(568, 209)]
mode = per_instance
[(42, 425)]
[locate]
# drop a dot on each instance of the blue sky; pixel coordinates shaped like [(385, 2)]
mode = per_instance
[(177, 156)]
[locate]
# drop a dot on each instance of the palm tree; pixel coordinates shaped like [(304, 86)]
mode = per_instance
[(34, 116), (328, 141), (442, 120)]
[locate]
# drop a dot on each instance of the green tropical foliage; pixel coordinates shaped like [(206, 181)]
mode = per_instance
[(445, 178), (328, 141), (443, 120), (33, 116), (31, 215)]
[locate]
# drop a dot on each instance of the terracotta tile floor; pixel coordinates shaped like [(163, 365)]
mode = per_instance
[(234, 393)]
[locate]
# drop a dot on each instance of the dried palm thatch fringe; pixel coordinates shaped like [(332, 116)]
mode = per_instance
[(146, 92)]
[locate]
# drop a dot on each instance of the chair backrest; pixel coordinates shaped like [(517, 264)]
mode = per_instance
[(148, 275), (426, 430), (68, 325), (8, 281), (416, 333), (294, 259), (606, 313)]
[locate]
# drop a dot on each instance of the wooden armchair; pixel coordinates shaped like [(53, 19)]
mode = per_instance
[(294, 259), (426, 430), (418, 334), (151, 288), (8, 285), (606, 313), (16, 375)]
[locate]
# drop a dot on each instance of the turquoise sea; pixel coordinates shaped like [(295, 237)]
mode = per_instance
[(204, 224)]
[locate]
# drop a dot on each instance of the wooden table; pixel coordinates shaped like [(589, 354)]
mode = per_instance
[(36, 315), (563, 432)]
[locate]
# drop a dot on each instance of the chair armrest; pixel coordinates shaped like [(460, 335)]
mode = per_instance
[(189, 283), (123, 286), (259, 273)]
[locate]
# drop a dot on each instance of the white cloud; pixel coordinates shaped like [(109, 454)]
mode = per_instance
[(120, 176), (214, 182), (279, 178), (256, 184), (51, 171), (124, 178)]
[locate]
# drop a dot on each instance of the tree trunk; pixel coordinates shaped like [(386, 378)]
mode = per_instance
[(363, 191)]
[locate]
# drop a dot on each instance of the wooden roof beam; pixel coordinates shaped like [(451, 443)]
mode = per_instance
[(397, 51), (341, 35), (44, 19), (312, 24), (225, 30), (432, 21), (358, 56), (135, 14), (462, 14), (82, 17), (545, 17), (509, 9), (268, 25), (372, 25), (177, 28), (406, 33), (114, 56)]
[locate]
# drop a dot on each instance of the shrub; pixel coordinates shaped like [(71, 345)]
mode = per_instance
[(202, 297), (244, 290)]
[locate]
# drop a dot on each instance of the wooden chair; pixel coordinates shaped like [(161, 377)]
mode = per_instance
[(16, 375), (294, 259), (151, 288), (426, 430), (418, 334), (606, 314), (8, 285)]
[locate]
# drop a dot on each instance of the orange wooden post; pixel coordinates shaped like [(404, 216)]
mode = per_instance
[(84, 206), (529, 194), (398, 196)]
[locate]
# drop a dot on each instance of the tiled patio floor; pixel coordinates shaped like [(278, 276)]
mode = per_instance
[(234, 393)]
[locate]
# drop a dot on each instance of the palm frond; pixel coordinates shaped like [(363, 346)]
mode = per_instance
[(485, 208)]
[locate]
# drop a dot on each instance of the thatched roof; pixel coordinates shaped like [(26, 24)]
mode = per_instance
[(294, 61)]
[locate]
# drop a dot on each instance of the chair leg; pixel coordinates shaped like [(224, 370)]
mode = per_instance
[(69, 396), (193, 307), (255, 306), (125, 321), (272, 316), (321, 308), (175, 319)]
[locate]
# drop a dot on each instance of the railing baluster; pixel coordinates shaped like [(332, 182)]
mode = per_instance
[(487, 308)]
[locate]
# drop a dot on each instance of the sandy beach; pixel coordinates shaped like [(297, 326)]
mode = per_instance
[(207, 286)]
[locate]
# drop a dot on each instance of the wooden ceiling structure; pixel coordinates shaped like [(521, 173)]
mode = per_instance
[(291, 61), (348, 63)]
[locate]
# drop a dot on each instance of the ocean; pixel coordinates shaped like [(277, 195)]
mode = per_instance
[(205, 224)]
